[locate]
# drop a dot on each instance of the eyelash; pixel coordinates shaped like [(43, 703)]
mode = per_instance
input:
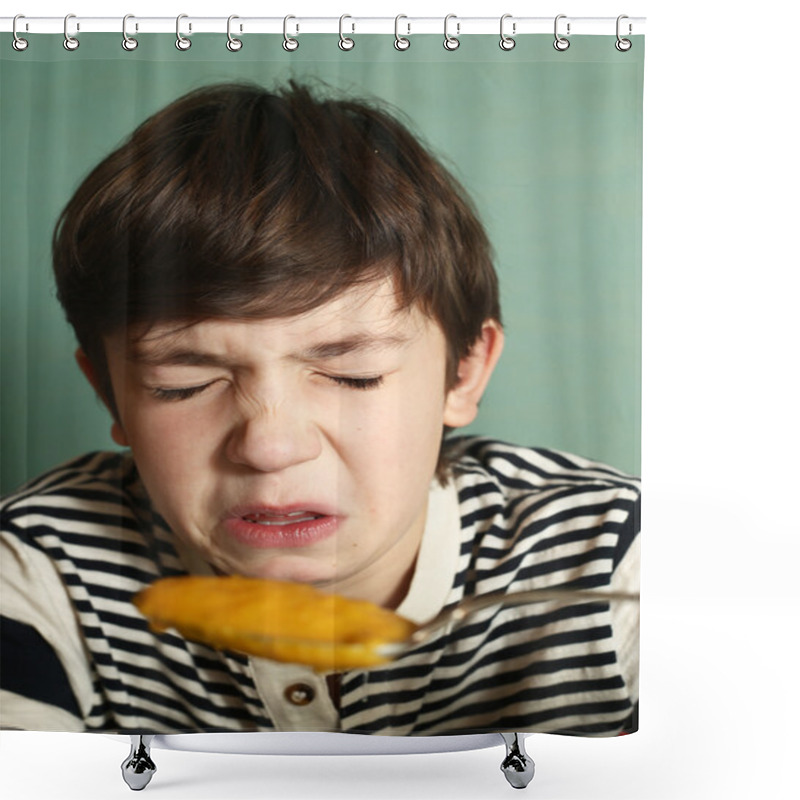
[(358, 383), (185, 393), (178, 394)]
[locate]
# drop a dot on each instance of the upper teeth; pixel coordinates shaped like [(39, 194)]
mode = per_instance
[(281, 519)]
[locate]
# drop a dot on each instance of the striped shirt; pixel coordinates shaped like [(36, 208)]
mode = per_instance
[(79, 541)]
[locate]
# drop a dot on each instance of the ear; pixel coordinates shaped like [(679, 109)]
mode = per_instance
[(474, 371), (117, 432)]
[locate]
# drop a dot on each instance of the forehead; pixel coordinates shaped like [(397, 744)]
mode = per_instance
[(365, 317)]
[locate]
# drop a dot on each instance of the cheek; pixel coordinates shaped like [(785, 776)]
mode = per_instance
[(396, 443), (407, 416), (170, 443)]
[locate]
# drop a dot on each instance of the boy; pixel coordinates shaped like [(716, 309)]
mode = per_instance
[(284, 302)]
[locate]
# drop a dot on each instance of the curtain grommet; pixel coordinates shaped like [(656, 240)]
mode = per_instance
[(181, 42), (561, 43), (401, 43), (70, 42), (451, 42), (507, 42), (129, 43), (290, 44), (345, 42), (233, 44), (623, 45), (18, 43)]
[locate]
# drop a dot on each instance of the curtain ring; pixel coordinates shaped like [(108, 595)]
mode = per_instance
[(289, 44), (451, 42), (233, 44), (400, 42), (623, 45), (507, 42), (128, 42), (181, 42), (19, 44), (345, 43), (70, 42), (560, 43)]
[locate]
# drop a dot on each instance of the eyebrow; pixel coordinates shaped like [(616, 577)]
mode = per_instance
[(179, 355), (354, 344), (174, 356)]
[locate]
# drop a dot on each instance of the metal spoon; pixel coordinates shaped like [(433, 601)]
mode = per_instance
[(459, 612), (379, 640)]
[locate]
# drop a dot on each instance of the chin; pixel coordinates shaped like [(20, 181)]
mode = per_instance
[(295, 569)]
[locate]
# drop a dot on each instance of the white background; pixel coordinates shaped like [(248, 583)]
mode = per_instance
[(720, 614)]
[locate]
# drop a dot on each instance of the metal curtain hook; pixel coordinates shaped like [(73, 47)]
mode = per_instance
[(506, 41), (345, 43), (451, 42), (400, 42), (70, 42), (233, 44), (128, 42), (289, 44), (181, 42), (18, 43), (623, 45), (560, 44)]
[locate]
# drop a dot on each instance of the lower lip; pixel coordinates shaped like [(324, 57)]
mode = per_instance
[(292, 534)]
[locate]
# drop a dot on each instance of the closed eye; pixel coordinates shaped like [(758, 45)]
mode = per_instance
[(183, 393), (358, 383)]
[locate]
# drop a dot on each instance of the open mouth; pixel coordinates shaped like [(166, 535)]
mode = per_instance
[(265, 528), (292, 518)]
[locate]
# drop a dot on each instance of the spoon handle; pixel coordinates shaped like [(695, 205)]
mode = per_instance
[(479, 602)]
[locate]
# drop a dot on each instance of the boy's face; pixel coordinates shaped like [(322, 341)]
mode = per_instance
[(298, 449)]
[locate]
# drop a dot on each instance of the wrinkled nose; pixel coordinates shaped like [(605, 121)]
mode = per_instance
[(272, 439)]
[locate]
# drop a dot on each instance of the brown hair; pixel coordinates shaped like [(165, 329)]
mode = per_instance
[(236, 202)]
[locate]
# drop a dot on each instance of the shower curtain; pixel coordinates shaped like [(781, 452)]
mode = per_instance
[(543, 141)]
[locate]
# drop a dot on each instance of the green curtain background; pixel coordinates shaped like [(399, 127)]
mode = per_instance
[(548, 144)]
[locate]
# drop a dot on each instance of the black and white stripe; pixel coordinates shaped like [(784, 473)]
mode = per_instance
[(530, 518)]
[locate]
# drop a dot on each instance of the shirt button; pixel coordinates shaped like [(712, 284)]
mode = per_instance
[(299, 694)]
